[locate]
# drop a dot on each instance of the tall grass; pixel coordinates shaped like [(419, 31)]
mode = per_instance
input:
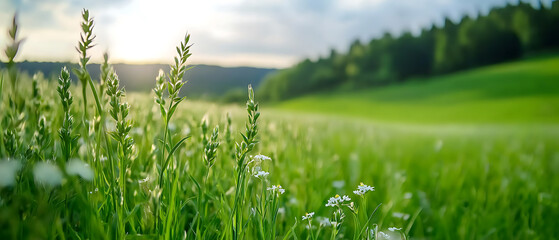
[(93, 182), (164, 170)]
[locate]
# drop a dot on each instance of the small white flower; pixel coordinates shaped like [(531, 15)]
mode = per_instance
[(392, 229), (408, 195), (338, 184), (293, 201), (351, 206), (384, 235), (258, 159), (253, 211), (80, 168), (308, 216), (47, 173), (143, 180), (172, 127), (310, 227), (276, 188), (186, 130), (323, 221), (371, 232), (137, 131), (362, 189), (8, 172), (82, 150), (337, 200), (401, 215), (261, 158), (262, 174)]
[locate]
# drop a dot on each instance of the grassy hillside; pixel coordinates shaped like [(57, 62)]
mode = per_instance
[(526, 91)]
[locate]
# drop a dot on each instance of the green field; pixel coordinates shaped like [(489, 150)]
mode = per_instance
[(435, 182), (526, 91)]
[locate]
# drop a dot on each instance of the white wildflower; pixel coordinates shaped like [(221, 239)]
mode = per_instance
[(8, 171), (401, 215), (408, 195), (185, 130), (78, 167), (323, 221), (384, 235), (137, 131), (253, 211), (293, 201), (351, 206), (172, 127), (261, 158), (258, 159), (337, 200), (362, 189), (392, 229), (308, 216), (276, 188), (281, 211), (262, 174), (82, 150), (309, 226), (143, 180), (47, 173), (371, 233), (338, 184)]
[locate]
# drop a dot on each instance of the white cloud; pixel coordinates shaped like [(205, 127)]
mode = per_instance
[(252, 32)]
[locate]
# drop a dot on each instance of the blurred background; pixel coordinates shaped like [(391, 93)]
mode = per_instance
[(424, 61)]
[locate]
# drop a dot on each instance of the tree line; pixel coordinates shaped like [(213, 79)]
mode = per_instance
[(505, 33)]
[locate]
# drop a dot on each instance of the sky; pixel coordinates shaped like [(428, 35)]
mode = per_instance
[(260, 33)]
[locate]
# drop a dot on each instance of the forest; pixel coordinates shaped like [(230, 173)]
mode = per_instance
[(504, 34)]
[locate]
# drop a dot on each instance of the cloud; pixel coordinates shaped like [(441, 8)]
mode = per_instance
[(50, 27), (225, 31)]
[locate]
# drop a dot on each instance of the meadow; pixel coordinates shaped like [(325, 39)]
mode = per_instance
[(82, 159), (519, 92)]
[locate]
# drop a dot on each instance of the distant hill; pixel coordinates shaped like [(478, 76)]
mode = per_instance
[(504, 34), (203, 80), (525, 91)]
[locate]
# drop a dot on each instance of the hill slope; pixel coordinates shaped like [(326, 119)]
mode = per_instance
[(526, 91), (203, 80)]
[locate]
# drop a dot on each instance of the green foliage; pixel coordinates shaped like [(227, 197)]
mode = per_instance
[(11, 52), (85, 43), (506, 33), (68, 139)]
